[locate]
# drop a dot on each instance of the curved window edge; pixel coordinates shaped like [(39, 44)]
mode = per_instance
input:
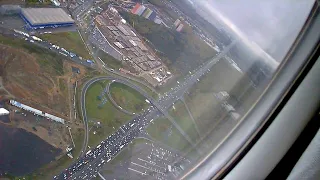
[(218, 160)]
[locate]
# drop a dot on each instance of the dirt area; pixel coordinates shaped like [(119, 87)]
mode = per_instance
[(16, 2), (23, 78), (54, 133), (27, 81)]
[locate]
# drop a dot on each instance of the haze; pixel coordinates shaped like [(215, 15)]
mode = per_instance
[(271, 24)]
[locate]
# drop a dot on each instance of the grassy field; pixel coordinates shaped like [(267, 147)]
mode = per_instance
[(71, 41), (109, 116), (109, 60), (47, 59), (222, 77), (127, 98), (181, 116), (162, 130)]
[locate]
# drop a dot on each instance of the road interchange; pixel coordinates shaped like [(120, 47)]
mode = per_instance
[(109, 148)]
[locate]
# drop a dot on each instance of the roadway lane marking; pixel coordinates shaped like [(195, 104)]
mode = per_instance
[(101, 176), (122, 130), (150, 163), (137, 171), (148, 168)]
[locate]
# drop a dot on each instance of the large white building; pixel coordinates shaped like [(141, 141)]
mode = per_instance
[(3, 111), (36, 111)]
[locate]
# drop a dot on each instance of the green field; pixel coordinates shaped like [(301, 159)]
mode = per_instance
[(110, 117), (128, 98), (222, 77), (71, 41), (182, 118), (109, 60), (162, 130), (51, 62)]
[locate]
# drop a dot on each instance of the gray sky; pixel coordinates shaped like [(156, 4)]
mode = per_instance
[(271, 24)]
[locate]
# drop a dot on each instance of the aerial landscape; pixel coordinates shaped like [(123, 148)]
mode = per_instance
[(117, 89)]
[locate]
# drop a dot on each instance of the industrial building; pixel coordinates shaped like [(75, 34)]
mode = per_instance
[(178, 25), (38, 18), (179, 28), (9, 9), (117, 38), (36, 111), (147, 13)]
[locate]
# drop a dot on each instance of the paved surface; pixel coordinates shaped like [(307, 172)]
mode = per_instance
[(146, 160)]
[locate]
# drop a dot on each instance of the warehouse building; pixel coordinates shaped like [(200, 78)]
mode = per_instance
[(38, 18), (36, 111)]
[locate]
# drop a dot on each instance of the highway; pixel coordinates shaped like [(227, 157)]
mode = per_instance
[(83, 103), (88, 166), (112, 145)]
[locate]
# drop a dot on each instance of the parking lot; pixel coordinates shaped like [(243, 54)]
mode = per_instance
[(147, 160)]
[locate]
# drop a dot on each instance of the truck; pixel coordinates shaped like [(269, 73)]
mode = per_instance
[(36, 38), (72, 54), (88, 152), (89, 61)]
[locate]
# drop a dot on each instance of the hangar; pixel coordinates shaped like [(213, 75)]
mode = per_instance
[(38, 18)]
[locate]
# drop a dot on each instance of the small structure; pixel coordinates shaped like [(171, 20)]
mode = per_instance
[(3, 112), (10, 9), (75, 70)]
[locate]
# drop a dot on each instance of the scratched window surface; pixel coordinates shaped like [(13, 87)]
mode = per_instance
[(115, 89)]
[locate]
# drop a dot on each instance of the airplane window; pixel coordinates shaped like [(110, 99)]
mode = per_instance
[(132, 89)]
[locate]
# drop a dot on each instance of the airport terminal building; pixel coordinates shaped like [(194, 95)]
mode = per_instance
[(38, 18)]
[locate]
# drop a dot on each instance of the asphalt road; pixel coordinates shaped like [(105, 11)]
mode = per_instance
[(83, 104)]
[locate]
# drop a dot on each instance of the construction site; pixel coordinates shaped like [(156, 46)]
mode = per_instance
[(113, 35)]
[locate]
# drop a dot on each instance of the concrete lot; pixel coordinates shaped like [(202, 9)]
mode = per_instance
[(145, 160)]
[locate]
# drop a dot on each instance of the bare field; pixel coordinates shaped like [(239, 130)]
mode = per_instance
[(25, 79), (43, 84)]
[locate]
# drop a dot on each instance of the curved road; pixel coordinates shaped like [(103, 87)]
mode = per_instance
[(133, 86), (158, 104)]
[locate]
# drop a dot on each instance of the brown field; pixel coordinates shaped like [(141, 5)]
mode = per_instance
[(24, 78)]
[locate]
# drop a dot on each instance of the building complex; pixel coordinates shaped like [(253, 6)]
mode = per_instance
[(114, 36)]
